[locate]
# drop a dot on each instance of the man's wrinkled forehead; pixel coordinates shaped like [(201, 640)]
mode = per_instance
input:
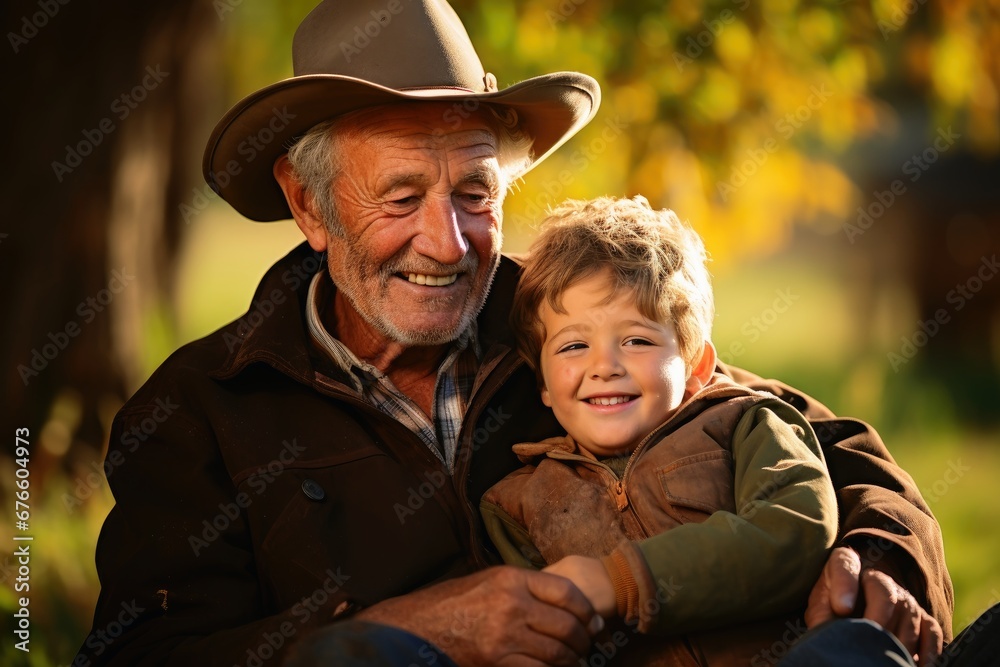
[(424, 124)]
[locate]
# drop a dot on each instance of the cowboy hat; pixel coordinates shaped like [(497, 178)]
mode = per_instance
[(352, 54)]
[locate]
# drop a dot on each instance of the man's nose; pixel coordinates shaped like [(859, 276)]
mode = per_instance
[(440, 236)]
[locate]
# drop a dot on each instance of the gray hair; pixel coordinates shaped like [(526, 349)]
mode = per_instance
[(316, 157)]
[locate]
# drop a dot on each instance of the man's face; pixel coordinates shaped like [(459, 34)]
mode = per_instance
[(419, 200)]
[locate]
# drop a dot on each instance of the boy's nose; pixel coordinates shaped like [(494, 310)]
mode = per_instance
[(606, 365)]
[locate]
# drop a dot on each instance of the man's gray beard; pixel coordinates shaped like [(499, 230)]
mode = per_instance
[(352, 289)]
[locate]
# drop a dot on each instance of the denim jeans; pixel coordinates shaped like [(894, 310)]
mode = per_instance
[(852, 641), (848, 641), (361, 644)]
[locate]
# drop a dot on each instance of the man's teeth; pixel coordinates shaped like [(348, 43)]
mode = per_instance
[(435, 281), (609, 400)]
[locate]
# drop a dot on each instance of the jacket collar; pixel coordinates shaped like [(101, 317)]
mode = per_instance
[(718, 388), (274, 330)]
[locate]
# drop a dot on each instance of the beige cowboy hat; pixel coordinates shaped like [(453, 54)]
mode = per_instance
[(352, 54)]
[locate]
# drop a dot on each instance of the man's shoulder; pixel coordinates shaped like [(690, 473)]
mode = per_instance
[(187, 370), (272, 321)]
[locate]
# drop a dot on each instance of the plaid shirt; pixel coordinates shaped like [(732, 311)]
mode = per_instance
[(455, 378)]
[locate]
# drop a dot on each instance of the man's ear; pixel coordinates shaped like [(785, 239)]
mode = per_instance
[(302, 205), (701, 371)]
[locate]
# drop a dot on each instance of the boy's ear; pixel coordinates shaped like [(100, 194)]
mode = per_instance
[(701, 371), (546, 399)]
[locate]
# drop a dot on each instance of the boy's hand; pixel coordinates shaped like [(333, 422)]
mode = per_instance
[(591, 577)]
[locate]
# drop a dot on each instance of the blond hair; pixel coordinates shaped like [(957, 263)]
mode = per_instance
[(660, 259)]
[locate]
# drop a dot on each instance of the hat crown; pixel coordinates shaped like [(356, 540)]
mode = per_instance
[(400, 44)]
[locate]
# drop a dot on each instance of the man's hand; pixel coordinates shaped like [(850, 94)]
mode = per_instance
[(592, 578), (501, 616), (885, 602)]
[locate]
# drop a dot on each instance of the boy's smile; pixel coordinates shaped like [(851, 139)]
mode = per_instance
[(610, 374)]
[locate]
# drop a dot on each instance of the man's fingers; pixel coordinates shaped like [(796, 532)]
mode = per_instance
[(880, 599), (841, 573), (892, 607), (560, 592), (931, 640), (906, 622), (561, 636), (549, 651)]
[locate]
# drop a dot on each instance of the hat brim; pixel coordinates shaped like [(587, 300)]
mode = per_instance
[(243, 147)]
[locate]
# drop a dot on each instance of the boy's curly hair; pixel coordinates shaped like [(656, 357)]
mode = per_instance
[(651, 253)]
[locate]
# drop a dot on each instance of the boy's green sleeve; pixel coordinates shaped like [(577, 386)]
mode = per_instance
[(764, 558)]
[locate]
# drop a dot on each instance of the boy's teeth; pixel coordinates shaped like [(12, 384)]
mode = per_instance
[(609, 400), (435, 281)]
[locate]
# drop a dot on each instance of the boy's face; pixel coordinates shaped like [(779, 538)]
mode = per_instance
[(610, 375)]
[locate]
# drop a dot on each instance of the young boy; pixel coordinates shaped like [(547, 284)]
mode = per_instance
[(678, 501)]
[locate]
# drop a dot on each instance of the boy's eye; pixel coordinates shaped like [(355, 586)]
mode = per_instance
[(569, 347), (638, 341)]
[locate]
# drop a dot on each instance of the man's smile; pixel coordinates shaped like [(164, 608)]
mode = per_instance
[(427, 279)]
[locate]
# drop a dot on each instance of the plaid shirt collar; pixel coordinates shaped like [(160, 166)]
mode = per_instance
[(455, 378)]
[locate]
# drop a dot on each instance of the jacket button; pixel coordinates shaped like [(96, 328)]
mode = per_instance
[(313, 490)]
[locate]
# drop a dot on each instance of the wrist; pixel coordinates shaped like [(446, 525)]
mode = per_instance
[(625, 586)]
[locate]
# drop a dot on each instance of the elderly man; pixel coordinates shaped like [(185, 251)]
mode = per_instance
[(328, 449)]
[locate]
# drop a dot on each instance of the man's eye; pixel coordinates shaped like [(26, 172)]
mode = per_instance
[(474, 200), (405, 201)]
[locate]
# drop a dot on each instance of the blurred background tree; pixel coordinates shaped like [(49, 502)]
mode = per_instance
[(839, 157)]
